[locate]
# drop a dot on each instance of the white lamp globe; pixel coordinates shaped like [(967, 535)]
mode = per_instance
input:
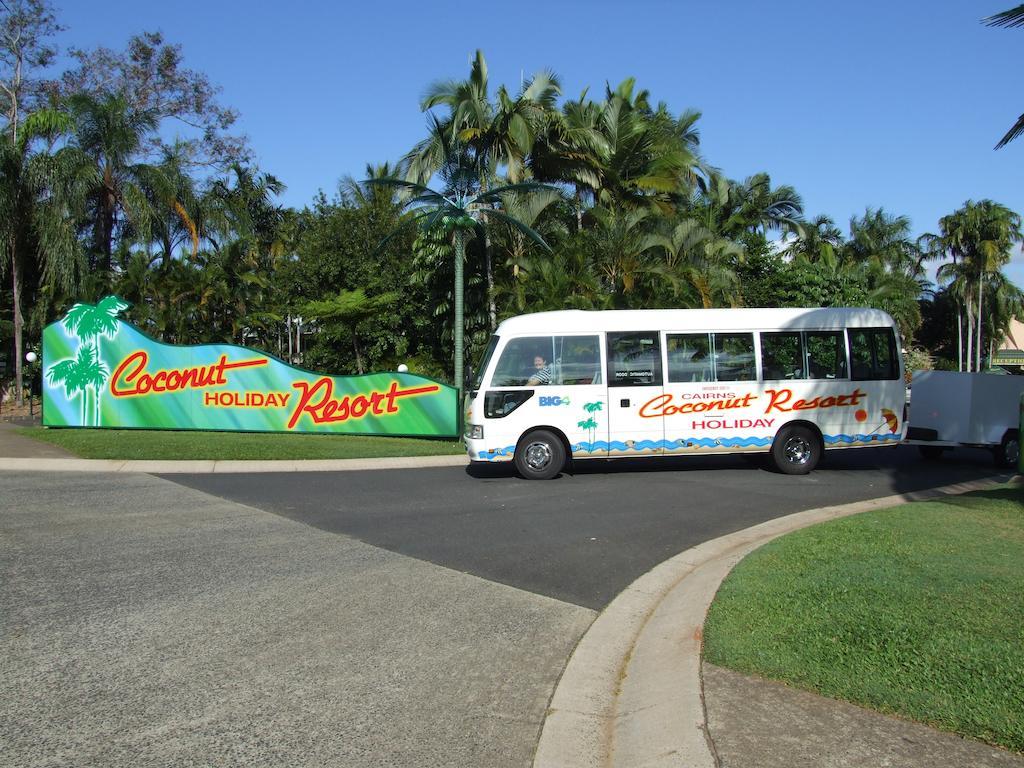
[(31, 357), (403, 368)]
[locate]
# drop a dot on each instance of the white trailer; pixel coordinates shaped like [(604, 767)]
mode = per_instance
[(980, 410)]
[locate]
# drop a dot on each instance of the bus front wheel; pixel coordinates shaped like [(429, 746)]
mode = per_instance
[(796, 450), (540, 456)]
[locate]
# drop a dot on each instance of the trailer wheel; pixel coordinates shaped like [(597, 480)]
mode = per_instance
[(540, 455), (1008, 451), (796, 450), (931, 452)]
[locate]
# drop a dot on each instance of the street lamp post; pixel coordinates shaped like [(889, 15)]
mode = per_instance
[(30, 358)]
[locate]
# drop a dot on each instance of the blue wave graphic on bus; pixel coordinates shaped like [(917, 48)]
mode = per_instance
[(699, 442), (504, 453), (850, 439), (671, 445)]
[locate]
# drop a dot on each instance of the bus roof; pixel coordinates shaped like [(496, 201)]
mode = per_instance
[(745, 319)]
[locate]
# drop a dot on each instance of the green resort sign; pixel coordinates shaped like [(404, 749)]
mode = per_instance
[(99, 371)]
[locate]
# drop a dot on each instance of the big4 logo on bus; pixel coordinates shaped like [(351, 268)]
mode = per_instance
[(553, 400)]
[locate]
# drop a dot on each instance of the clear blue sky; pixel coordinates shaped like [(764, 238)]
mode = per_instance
[(894, 104)]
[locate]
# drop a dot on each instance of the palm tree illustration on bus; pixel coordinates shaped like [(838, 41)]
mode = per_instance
[(590, 423)]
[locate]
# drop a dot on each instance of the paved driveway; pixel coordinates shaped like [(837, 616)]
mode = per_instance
[(146, 624)]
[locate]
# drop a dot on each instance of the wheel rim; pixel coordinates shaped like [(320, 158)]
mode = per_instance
[(1012, 452), (538, 456), (797, 450)]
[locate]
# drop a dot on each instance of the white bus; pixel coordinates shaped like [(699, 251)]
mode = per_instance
[(606, 384)]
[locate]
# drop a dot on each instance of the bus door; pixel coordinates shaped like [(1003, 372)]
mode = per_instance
[(635, 386), (577, 400)]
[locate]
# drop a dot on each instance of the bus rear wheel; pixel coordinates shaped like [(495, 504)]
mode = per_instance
[(540, 455), (796, 450)]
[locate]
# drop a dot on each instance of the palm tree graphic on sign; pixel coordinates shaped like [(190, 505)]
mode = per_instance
[(86, 371), (590, 423), (78, 374)]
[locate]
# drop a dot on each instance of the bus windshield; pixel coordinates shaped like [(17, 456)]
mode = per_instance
[(479, 375)]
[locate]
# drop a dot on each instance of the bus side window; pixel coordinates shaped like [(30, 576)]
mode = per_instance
[(578, 360), (782, 356), (634, 359), (734, 357), (873, 354), (826, 355), (689, 357)]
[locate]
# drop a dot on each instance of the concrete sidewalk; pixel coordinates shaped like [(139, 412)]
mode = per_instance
[(13, 445)]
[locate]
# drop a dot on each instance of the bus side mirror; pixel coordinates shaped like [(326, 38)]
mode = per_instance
[(468, 379)]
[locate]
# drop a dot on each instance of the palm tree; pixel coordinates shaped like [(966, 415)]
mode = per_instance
[(564, 279), (589, 424), (570, 148), (495, 134), (456, 211), (884, 239), (1014, 17), (732, 209), (1005, 303), (817, 240), (360, 194), (40, 198), (624, 248), (702, 260), (177, 217), (498, 133), (526, 208), (979, 237), (110, 133), (621, 153), (80, 374), (245, 208)]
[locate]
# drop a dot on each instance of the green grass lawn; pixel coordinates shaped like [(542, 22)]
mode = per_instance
[(145, 444), (916, 611)]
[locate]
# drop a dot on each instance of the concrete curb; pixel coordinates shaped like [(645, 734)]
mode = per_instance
[(204, 467), (631, 695)]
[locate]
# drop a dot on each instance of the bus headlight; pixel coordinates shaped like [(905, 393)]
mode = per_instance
[(475, 431)]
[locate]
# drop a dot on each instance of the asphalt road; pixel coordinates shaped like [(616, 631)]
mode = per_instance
[(585, 536)]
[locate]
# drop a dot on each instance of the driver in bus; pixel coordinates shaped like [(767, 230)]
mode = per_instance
[(541, 372)]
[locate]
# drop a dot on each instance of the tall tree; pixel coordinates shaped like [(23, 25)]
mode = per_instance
[(884, 239), (621, 153), (818, 239), (26, 27), (40, 196), (109, 132), (979, 237), (497, 135), (734, 209), (456, 211), (150, 74), (350, 309)]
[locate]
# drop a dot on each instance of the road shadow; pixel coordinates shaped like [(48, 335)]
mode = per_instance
[(902, 468)]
